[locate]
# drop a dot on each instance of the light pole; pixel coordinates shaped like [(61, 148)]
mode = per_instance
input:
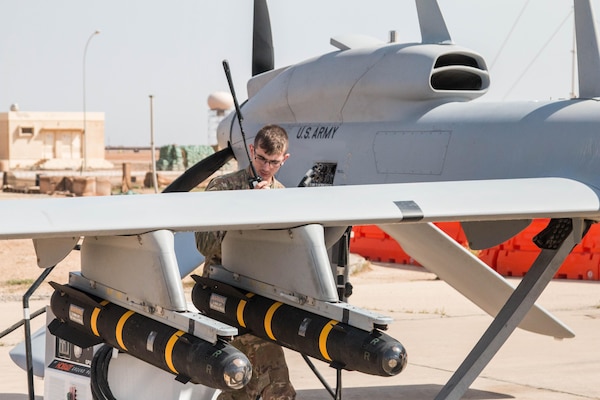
[(152, 150), (85, 145)]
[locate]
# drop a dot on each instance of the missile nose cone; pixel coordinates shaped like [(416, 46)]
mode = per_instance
[(394, 360), (237, 373)]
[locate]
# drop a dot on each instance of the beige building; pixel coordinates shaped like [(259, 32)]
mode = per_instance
[(51, 140)]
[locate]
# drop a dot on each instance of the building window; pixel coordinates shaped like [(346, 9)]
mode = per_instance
[(26, 130)]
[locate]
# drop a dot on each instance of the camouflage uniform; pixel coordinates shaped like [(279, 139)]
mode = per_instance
[(270, 375)]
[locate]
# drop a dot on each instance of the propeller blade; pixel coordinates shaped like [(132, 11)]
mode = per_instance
[(200, 171), (262, 40)]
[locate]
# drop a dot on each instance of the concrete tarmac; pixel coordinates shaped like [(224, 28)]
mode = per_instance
[(438, 327)]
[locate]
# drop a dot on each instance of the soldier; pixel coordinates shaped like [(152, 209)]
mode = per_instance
[(270, 375)]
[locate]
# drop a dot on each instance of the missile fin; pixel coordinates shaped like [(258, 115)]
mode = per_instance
[(182, 378), (339, 328), (220, 287), (184, 339), (337, 365), (63, 331), (76, 294)]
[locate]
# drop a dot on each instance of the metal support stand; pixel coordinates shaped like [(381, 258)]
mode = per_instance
[(319, 376), (339, 256), (27, 319), (17, 325), (525, 295), (344, 289), (338, 388)]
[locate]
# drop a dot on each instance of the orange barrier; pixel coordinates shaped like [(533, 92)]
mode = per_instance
[(374, 244), (515, 257), (580, 266), (511, 258)]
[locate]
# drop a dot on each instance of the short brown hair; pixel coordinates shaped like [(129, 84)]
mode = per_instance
[(273, 139)]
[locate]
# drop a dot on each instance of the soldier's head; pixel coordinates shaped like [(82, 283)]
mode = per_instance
[(273, 139), (269, 150)]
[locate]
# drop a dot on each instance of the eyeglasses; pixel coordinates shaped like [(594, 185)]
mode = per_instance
[(272, 163)]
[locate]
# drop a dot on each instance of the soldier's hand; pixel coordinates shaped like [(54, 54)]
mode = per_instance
[(262, 185)]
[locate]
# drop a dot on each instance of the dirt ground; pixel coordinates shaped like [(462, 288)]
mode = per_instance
[(19, 270)]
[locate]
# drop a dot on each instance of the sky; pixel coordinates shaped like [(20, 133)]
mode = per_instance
[(173, 50)]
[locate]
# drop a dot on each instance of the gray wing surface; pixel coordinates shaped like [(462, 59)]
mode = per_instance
[(488, 200)]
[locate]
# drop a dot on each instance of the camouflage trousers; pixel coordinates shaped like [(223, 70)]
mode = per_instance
[(270, 375)]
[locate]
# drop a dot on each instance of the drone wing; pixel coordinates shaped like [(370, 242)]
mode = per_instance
[(399, 208)]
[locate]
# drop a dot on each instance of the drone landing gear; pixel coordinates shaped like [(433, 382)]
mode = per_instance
[(556, 241), (337, 394)]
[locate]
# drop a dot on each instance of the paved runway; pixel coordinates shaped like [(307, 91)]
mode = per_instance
[(438, 327)]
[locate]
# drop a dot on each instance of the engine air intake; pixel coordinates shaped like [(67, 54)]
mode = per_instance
[(459, 72)]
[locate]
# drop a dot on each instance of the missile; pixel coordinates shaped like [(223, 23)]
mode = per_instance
[(340, 344), (86, 320)]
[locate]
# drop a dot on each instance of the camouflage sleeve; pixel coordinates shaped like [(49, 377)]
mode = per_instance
[(209, 243)]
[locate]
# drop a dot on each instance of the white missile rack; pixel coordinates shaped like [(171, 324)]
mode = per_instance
[(339, 311), (190, 321), (291, 266)]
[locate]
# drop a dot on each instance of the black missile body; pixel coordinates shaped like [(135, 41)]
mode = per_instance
[(85, 320), (340, 344)]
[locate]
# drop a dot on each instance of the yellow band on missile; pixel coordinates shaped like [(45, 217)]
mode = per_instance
[(169, 350), (269, 319), (119, 329), (240, 310), (240, 313), (323, 338), (94, 318)]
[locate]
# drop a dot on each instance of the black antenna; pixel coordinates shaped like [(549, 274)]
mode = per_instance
[(240, 118)]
